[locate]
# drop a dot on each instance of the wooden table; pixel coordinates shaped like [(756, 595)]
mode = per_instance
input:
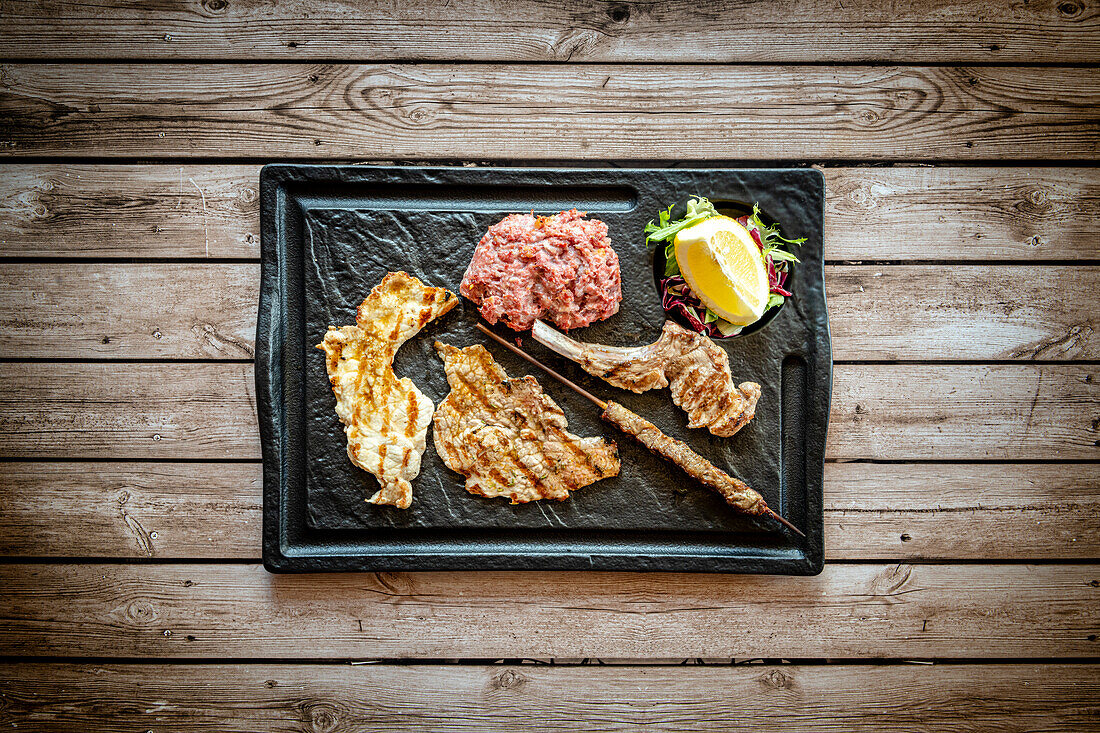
[(958, 142)]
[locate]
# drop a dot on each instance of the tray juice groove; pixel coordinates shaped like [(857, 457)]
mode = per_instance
[(330, 233)]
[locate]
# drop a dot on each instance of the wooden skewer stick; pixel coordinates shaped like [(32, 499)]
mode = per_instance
[(603, 406)]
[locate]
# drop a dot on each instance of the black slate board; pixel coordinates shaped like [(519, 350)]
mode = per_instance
[(330, 233)]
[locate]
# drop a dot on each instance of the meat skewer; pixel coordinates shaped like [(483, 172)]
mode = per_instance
[(737, 493), (695, 369)]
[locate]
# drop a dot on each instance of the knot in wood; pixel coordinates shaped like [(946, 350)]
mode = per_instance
[(140, 612), (394, 583), (248, 195), (508, 680), (868, 117), (865, 196), (777, 680), (215, 6), (1035, 202), (619, 13), (576, 41), (1070, 9), (891, 580), (419, 116), (322, 716)]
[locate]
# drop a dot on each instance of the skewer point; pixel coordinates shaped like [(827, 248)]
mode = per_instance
[(787, 524)]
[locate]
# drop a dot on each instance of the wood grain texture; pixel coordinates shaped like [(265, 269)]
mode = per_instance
[(241, 611), (79, 210), (128, 410), (954, 213), (183, 511), (879, 411), (501, 112), (894, 312), (128, 311), (162, 510), (935, 31), (212, 211), (284, 697), (936, 312), (962, 511), (964, 412)]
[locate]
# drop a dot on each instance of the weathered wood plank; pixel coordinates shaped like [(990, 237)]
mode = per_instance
[(902, 312), (964, 412), (872, 511), (241, 611), (79, 210), (286, 697), (879, 411), (905, 213), (962, 511), (128, 411), (896, 312), (541, 30), (954, 213), (128, 311), (163, 510), (550, 111)]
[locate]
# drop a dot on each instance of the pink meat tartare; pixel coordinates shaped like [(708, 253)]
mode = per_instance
[(559, 268)]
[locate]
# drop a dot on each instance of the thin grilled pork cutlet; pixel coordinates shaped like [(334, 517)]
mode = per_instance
[(507, 437), (385, 418), (694, 368)]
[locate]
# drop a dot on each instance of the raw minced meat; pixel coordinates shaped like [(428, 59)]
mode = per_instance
[(559, 268)]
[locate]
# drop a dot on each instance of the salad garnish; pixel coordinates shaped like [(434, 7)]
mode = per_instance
[(677, 296)]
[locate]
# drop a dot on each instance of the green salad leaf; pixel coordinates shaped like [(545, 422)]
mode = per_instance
[(698, 209)]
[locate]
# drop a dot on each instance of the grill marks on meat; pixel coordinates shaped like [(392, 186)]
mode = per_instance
[(385, 418), (509, 438), (737, 493), (694, 368)]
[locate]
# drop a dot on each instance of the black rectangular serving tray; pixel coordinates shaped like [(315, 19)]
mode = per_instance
[(330, 233)]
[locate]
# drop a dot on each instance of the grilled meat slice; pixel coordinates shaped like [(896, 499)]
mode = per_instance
[(385, 418), (696, 370), (507, 437)]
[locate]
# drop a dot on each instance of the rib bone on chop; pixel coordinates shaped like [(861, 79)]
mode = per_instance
[(694, 368), (385, 418), (509, 438)]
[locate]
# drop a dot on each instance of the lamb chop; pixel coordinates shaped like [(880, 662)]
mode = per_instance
[(696, 370), (737, 493), (385, 418), (507, 437)]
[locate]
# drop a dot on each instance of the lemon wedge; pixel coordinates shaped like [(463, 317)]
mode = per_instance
[(723, 266)]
